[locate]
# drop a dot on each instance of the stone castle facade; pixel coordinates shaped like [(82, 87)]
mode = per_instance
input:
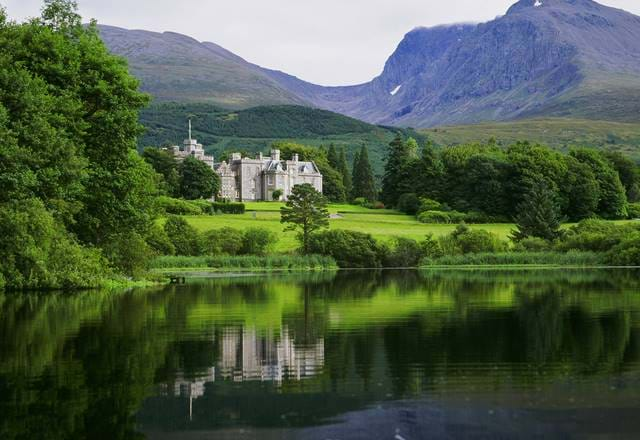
[(253, 179)]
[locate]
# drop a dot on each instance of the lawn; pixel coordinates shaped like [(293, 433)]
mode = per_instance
[(382, 224)]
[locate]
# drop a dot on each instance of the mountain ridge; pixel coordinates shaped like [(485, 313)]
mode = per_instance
[(543, 58)]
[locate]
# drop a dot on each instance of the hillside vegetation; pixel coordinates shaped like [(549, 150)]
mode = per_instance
[(255, 129), (558, 133)]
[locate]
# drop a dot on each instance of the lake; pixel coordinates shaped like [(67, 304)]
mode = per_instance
[(396, 355)]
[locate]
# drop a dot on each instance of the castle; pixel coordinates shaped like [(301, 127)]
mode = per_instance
[(254, 179)]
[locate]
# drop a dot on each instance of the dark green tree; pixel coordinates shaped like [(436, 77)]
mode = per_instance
[(583, 190), (346, 172), (332, 157), (629, 173), (364, 184), (165, 164), (538, 214), (613, 200), (429, 173), (399, 177), (305, 210), (197, 180)]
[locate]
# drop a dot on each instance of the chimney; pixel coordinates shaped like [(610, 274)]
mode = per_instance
[(275, 155), (260, 156), (236, 156), (295, 157)]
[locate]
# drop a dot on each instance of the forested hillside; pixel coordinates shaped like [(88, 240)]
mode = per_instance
[(257, 128)]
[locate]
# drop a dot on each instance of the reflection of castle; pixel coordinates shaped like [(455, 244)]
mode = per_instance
[(249, 356)]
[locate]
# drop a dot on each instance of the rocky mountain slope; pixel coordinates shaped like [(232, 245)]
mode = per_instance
[(175, 67), (569, 58)]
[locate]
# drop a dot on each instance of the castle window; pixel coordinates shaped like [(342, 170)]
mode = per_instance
[(269, 180)]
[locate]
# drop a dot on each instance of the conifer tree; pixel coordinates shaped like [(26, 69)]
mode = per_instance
[(343, 167), (538, 214), (398, 171), (364, 184), (332, 157)]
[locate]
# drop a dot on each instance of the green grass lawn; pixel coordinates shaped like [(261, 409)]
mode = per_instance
[(382, 224)]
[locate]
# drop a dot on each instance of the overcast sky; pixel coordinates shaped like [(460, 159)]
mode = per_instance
[(329, 42)]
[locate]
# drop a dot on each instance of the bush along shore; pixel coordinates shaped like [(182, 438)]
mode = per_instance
[(252, 263), (590, 243)]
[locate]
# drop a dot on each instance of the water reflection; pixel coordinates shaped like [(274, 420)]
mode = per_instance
[(303, 351)]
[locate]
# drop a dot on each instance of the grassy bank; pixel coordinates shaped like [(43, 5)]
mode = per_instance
[(244, 263), (571, 258)]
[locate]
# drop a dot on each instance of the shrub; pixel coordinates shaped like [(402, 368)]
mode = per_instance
[(465, 241), (405, 252), (457, 217), (228, 208), (409, 203), (276, 195), (258, 241), (350, 249), (159, 241), (169, 205), (431, 247), (247, 262), (533, 244), (184, 237), (129, 253), (434, 217), (374, 205), (429, 205), (626, 253), (37, 252), (359, 201), (477, 217), (634, 210), (226, 240), (594, 235), (573, 258)]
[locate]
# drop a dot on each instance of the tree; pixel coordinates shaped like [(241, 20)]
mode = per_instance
[(613, 200), (429, 172), (332, 157), (68, 129), (343, 167), (363, 181), (306, 210), (629, 173), (197, 180), (165, 164), (583, 190), (398, 173), (538, 214)]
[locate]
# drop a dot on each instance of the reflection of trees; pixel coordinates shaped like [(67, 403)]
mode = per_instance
[(80, 366)]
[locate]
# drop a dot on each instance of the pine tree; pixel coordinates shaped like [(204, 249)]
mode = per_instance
[(332, 158), (399, 177), (538, 214), (364, 184), (343, 167)]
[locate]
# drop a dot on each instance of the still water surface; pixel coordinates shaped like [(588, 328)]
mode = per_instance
[(353, 355)]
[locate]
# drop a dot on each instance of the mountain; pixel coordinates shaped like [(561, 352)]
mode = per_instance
[(543, 58), (175, 67), (561, 58)]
